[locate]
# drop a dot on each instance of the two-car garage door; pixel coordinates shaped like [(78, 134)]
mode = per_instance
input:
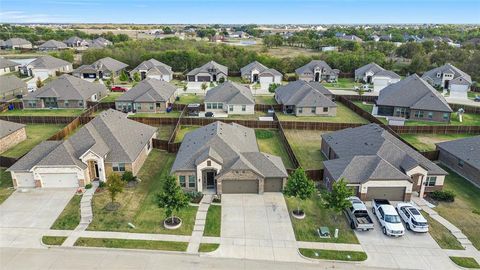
[(389, 193), (59, 180), (251, 186)]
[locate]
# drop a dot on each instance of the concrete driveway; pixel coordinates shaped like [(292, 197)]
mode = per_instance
[(257, 227)]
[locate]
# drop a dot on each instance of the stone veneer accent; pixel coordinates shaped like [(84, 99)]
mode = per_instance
[(12, 139)]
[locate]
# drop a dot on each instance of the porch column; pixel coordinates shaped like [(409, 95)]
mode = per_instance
[(422, 186)]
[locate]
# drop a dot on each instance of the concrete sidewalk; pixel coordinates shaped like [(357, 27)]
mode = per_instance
[(199, 226)]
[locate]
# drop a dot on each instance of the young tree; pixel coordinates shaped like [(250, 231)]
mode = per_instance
[(336, 199), (299, 186), (39, 83), (136, 77), (123, 76), (114, 185), (272, 87), (172, 199), (204, 87)]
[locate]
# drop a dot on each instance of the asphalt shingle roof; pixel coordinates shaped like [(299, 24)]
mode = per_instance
[(260, 67), (230, 93), (304, 94), (208, 66), (6, 63), (467, 149), (10, 82), (310, 67), (7, 127), (431, 75), (53, 44), (16, 42), (155, 66), (149, 90), (48, 62)]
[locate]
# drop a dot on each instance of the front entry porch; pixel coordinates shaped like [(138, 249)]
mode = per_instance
[(209, 183)]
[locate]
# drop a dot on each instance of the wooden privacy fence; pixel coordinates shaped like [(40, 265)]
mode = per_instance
[(436, 129), (191, 121), (24, 119), (291, 155)]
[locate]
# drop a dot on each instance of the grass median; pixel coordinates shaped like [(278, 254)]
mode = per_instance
[(131, 244)]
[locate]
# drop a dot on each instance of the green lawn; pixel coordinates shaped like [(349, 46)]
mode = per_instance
[(460, 212), (368, 107), (111, 97), (206, 247), (272, 144), (53, 240), (179, 84), (138, 206), (469, 119), (466, 262), (213, 222), (44, 112), (269, 100), (172, 114), (342, 83), (70, 216), (317, 216), (131, 244), (472, 95), (338, 255), (306, 145), (254, 116), (164, 132), (36, 133), (6, 185), (426, 142), (183, 130), (444, 238), (344, 115), (190, 99)]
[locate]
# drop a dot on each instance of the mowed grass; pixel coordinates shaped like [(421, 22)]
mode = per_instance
[(461, 211), (337, 255), (466, 262), (70, 216), (469, 119), (342, 83), (6, 185), (207, 247), (172, 114), (190, 99), (164, 132), (269, 100), (272, 144), (306, 145), (53, 240), (138, 206), (183, 130), (344, 115), (426, 142), (254, 116), (213, 221), (317, 216), (131, 244), (366, 106), (44, 112), (111, 97), (444, 238), (36, 133)]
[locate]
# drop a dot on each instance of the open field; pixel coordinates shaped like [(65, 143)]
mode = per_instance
[(344, 115), (306, 146), (269, 142), (426, 142)]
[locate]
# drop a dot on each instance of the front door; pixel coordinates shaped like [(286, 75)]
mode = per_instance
[(255, 77), (214, 78), (210, 180), (96, 170), (143, 75), (100, 74), (447, 83), (317, 76)]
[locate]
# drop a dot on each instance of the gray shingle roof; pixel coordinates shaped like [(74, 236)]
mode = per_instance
[(48, 62), (149, 90), (310, 67), (304, 94), (431, 75), (11, 82), (73, 40), (29, 160), (53, 44), (230, 93), (467, 149), (7, 127), (104, 64), (387, 73), (16, 42), (260, 67), (154, 66), (6, 63), (208, 66), (372, 67), (413, 92)]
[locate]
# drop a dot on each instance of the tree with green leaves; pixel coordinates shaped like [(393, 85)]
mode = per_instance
[(123, 76), (172, 199), (114, 185), (337, 198), (299, 186), (272, 87), (204, 87), (39, 83), (136, 77)]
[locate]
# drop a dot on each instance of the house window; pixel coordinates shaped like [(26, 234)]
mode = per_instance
[(325, 109), (313, 110), (191, 181), (244, 108), (460, 163), (300, 110), (65, 103), (118, 167), (80, 103), (230, 108), (430, 115), (419, 114), (139, 106), (220, 105), (209, 163), (209, 105), (181, 179), (214, 105), (431, 180), (446, 116), (149, 144)]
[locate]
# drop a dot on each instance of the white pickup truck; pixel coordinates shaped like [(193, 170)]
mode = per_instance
[(358, 216), (388, 217), (412, 217)]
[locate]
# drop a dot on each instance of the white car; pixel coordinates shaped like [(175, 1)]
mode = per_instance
[(388, 217), (412, 217)]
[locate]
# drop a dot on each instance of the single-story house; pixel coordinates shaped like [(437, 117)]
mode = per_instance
[(239, 34), (2, 44), (76, 42), (449, 77), (462, 156), (7, 66), (317, 70), (210, 72), (47, 66), (11, 86), (377, 164), (109, 143), (99, 43), (52, 45), (350, 38), (149, 95), (11, 134), (102, 68), (257, 72), (413, 98), (376, 75), (65, 92), (230, 98), (303, 98), (153, 69), (224, 158), (17, 43)]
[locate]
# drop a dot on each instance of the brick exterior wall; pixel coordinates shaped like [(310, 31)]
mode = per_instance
[(467, 171), (12, 139)]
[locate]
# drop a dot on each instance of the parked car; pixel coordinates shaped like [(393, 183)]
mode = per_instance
[(118, 89), (412, 217), (388, 218), (358, 216)]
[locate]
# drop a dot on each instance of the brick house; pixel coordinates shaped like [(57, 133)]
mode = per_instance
[(11, 134)]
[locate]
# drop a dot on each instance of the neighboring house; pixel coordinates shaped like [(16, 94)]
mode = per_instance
[(65, 92), (11, 134), (153, 69), (450, 78), (210, 72), (76, 42), (52, 45), (7, 66), (239, 34), (149, 95), (350, 38), (47, 66), (303, 98), (100, 147), (376, 75), (17, 43), (415, 99), (224, 158), (99, 43), (462, 156), (2, 44), (378, 165), (102, 68), (11, 86), (317, 70), (257, 72), (230, 98)]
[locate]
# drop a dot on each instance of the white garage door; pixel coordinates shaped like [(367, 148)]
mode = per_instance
[(59, 180), (266, 79), (379, 84), (42, 74), (25, 180)]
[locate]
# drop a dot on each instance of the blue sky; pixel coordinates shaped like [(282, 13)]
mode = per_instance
[(244, 11)]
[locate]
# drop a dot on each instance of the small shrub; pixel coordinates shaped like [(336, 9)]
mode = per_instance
[(128, 176), (102, 184), (88, 186), (476, 211), (443, 195), (217, 199), (221, 80), (194, 196), (272, 87), (290, 77), (264, 134)]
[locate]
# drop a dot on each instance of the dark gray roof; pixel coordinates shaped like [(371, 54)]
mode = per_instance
[(155, 66), (6, 63), (431, 75), (16, 42), (260, 67), (310, 67), (372, 140), (67, 87), (31, 159), (73, 40), (232, 145), (413, 92), (372, 67), (387, 73), (53, 44), (11, 82), (7, 127), (467, 149), (230, 93), (104, 64), (48, 62), (209, 66), (304, 94), (149, 90)]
